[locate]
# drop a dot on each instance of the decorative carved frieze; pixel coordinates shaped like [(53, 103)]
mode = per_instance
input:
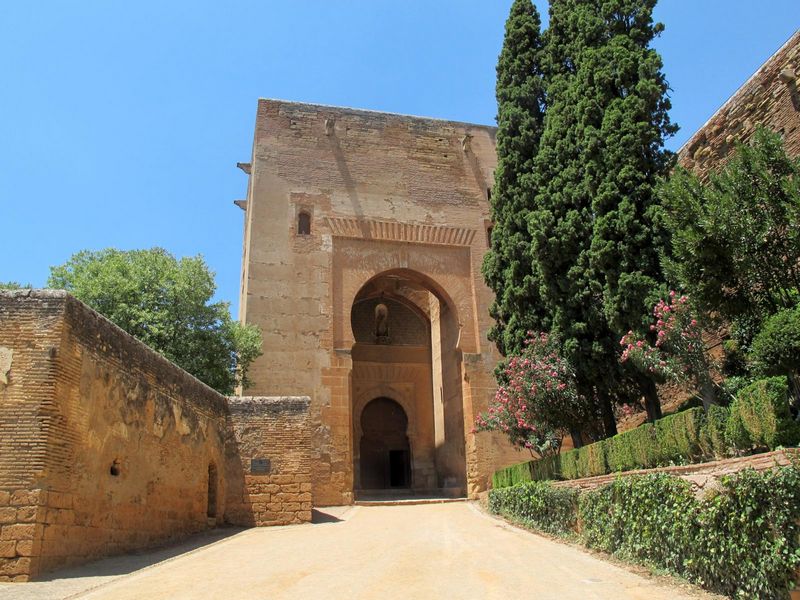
[(372, 229)]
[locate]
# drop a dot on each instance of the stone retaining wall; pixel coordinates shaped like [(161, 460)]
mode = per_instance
[(702, 476)]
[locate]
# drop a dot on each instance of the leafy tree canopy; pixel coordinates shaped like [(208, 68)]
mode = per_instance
[(167, 304), (735, 240)]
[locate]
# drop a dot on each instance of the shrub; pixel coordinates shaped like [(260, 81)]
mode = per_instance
[(641, 517), (632, 449), (776, 348), (538, 504), (741, 541), (745, 541), (760, 416), (569, 465), (712, 433), (512, 475), (678, 437)]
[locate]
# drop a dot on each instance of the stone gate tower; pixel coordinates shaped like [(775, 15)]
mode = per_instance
[(363, 241)]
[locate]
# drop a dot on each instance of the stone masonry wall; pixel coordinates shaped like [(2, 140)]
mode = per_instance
[(105, 446), (385, 192), (30, 332), (269, 461), (770, 97)]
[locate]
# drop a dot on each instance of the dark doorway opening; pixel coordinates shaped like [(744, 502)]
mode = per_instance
[(385, 454), (398, 468)]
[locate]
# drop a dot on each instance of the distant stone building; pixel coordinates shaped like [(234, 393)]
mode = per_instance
[(363, 242)]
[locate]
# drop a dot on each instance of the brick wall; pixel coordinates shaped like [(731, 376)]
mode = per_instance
[(269, 461), (28, 344), (770, 98), (105, 446)]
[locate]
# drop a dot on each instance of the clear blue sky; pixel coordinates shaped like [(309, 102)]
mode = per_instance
[(121, 122)]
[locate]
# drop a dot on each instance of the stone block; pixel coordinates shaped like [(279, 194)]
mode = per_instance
[(26, 514), (25, 498), (8, 514), (8, 549), (24, 548), (19, 566), (304, 515), (18, 532)]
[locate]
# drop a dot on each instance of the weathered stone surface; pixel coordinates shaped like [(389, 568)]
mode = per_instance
[(399, 211), (770, 98), (106, 447), (275, 430), (703, 476)]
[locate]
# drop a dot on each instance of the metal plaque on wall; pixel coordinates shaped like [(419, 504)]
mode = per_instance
[(259, 466)]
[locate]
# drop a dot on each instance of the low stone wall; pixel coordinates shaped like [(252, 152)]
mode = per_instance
[(269, 461), (702, 476)]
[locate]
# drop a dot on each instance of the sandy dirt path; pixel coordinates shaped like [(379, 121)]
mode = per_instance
[(436, 551)]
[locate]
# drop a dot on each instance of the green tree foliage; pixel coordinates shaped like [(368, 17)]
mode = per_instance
[(735, 241), (167, 304), (520, 102), (776, 348), (624, 75), (13, 285), (594, 242)]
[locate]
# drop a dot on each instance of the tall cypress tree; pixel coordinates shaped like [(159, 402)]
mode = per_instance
[(624, 77), (567, 174), (507, 267)]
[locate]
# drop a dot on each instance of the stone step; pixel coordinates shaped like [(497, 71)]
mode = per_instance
[(409, 496), (406, 501)]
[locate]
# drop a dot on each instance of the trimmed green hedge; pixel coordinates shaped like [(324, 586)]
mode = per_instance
[(673, 439), (759, 418), (538, 504), (742, 540)]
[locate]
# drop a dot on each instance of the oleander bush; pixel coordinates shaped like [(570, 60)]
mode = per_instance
[(742, 540), (538, 504)]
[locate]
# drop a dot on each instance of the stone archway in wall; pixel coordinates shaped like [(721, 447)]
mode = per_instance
[(406, 352)]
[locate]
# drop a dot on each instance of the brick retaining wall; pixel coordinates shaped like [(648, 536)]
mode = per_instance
[(702, 476)]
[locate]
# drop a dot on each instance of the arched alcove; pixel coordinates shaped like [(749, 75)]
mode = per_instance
[(406, 335)]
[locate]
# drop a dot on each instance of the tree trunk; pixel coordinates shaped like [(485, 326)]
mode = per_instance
[(577, 438), (707, 393), (609, 422), (651, 402)]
